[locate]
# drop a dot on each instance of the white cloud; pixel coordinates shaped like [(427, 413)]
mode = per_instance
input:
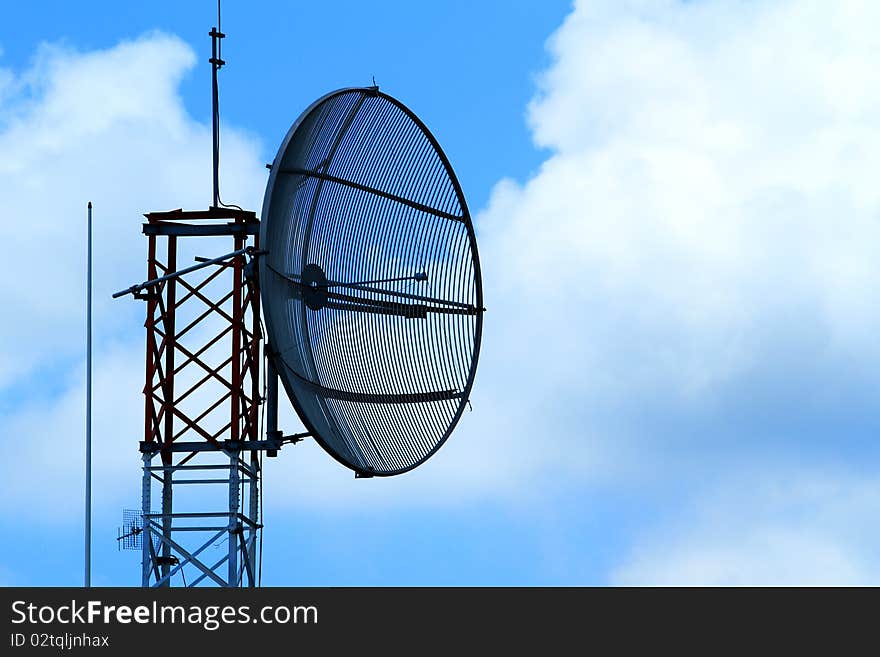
[(796, 529), (44, 480), (686, 283), (107, 126), (702, 229), (685, 287), (705, 220)]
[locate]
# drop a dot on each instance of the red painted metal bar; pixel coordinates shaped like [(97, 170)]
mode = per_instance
[(204, 414), (201, 285), (213, 372), (170, 288), (149, 403), (197, 320), (214, 305), (238, 323)]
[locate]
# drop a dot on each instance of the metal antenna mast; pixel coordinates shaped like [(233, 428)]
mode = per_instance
[(361, 205), (216, 64), (202, 394)]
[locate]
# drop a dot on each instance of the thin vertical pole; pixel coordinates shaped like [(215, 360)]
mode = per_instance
[(216, 63), (88, 531), (215, 121)]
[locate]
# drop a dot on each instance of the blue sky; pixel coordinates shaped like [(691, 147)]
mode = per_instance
[(469, 68), (690, 399)]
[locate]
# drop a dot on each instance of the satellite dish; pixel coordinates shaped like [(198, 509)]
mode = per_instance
[(371, 286)]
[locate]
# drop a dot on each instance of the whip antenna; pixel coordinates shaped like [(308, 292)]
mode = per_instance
[(216, 64)]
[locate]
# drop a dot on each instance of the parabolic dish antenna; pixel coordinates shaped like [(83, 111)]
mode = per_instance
[(371, 286)]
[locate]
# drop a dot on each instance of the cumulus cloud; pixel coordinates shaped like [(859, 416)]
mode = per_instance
[(698, 245), (41, 484), (682, 291), (684, 285), (792, 529), (107, 126)]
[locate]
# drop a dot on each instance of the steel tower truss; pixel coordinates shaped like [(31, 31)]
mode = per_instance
[(202, 396)]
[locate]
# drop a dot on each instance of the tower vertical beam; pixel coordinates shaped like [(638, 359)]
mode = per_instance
[(254, 513), (170, 348), (256, 338), (234, 523), (151, 420), (152, 429), (146, 534), (255, 489), (238, 327)]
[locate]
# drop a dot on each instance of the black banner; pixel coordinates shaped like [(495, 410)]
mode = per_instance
[(117, 621)]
